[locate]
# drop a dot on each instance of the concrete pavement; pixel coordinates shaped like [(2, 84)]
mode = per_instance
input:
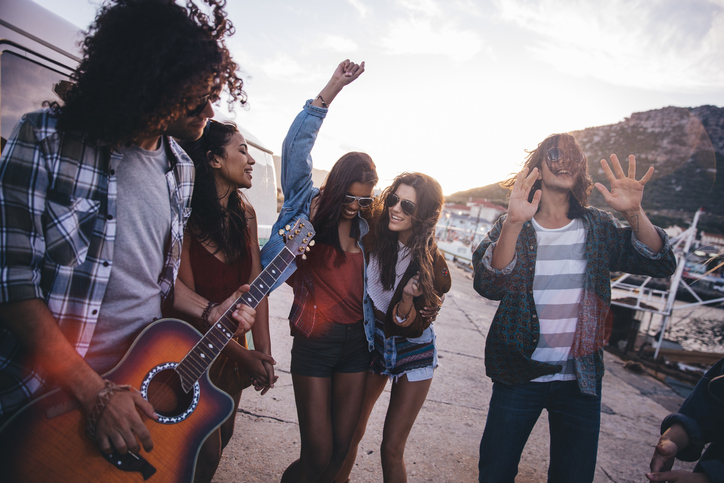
[(443, 445)]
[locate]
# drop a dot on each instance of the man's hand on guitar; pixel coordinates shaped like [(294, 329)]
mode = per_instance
[(243, 315), (120, 423)]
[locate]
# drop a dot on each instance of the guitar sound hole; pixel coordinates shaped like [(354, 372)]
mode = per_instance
[(166, 394), (162, 388)]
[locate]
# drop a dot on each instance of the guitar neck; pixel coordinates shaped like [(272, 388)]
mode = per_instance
[(198, 360)]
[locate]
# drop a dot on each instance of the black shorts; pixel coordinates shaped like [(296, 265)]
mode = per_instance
[(339, 348)]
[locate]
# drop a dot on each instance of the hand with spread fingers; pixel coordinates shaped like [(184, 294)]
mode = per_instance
[(520, 209), (626, 192)]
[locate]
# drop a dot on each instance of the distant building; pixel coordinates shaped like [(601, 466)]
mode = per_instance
[(712, 240), (485, 209)]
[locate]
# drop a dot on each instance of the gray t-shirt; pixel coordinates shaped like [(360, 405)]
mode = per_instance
[(133, 296)]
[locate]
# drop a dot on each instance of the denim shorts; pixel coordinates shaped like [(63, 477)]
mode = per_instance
[(337, 348)]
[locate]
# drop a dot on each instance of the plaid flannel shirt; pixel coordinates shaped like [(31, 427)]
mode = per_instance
[(57, 231)]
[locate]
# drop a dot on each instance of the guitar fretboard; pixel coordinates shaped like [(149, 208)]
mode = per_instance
[(198, 360)]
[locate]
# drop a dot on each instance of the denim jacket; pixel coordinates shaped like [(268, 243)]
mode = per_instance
[(515, 330), (702, 416), (298, 194)]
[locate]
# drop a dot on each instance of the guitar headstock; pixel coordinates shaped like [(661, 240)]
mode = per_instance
[(299, 237)]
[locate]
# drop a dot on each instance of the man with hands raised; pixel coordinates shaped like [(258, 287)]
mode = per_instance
[(549, 261)]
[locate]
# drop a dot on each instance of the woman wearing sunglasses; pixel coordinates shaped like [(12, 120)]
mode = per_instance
[(220, 253), (407, 277), (331, 347)]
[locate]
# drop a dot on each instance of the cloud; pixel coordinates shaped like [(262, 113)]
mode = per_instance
[(426, 7), (661, 44), (284, 68), (359, 6), (419, 36), (339, 44)]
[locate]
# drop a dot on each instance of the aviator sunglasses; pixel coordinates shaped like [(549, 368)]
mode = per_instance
[(363, 201), (555, 155), (408, 207)]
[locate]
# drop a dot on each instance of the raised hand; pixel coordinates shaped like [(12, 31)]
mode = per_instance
[(626, 192), (520, 209), (347, 72)]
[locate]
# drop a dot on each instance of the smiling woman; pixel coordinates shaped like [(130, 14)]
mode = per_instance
[(220, 253)]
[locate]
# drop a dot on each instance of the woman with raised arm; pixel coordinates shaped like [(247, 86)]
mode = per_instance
[(220, 253), (330, 352), (406, 279)]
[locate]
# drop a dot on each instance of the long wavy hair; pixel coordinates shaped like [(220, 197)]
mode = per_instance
[(227, 227), (578, 197), (144, 63), (422, 243), (353, 167)]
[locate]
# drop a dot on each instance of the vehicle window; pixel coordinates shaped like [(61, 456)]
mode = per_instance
[(24, 85)]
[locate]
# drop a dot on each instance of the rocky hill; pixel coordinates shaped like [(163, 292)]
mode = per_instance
[(685, 145)]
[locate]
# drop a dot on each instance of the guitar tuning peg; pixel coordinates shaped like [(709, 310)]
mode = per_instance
[(297, 232), (311, 243), (301, 249), (301, 224), (291, 236), (304, 240), (287, 227), (307, 249), (281, 231), (304, 257), (309, 233)]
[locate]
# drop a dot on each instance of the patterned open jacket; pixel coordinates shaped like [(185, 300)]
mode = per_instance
[(515, 330)]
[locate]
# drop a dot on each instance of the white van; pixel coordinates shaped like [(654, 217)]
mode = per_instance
[(38, 49)]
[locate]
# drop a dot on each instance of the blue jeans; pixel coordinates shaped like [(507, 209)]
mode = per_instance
[(574, 420)]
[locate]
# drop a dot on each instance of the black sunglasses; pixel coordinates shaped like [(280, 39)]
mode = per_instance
[(408, 207), (364, 201), (203, 101)]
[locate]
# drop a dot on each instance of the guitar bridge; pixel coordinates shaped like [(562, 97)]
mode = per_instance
[(130, 462)]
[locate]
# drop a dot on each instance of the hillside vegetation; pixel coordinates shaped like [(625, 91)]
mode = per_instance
[(685, 146)]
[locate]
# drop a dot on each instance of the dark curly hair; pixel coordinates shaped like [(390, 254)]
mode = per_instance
[(578, 198), (143, 62), (227, 227), (353, 167), (422, 243)]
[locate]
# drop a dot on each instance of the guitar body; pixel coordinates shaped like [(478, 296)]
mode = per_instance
[(35, 448)]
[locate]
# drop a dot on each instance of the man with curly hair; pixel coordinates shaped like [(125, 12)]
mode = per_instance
[(94, 197), (548, 261)]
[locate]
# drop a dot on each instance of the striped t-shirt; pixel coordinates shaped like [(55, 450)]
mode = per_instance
[(557, 288)]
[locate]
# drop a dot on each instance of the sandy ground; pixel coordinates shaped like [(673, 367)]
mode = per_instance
[(443, 445)]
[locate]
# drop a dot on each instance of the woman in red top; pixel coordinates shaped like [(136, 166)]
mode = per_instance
[(220, 253), (330, 352)]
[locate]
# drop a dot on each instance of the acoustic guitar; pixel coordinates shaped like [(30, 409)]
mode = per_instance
[(168, 362)]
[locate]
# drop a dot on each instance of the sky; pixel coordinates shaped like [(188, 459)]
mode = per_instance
[(459, 89)]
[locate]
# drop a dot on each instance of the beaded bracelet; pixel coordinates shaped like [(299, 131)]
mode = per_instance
[(205, 315), (324, 104), (98, 405)]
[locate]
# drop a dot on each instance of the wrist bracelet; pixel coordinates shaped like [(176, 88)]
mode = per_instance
[(205, 315), (98, 405), (324, 104)]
